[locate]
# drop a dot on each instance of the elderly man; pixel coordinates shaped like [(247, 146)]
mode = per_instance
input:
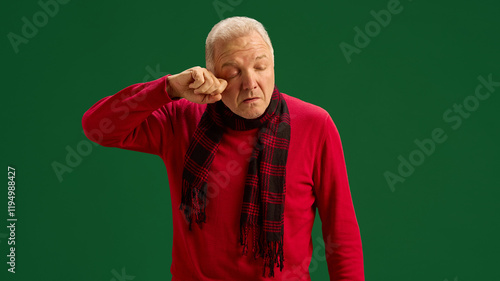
[(247, 165)]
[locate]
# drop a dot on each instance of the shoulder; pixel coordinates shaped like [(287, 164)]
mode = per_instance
[(310, 121), (303, 111)]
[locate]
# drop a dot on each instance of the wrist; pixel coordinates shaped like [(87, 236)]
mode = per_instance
[(170, 90)]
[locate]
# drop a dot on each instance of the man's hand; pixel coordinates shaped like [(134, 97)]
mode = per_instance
[(197, 85)]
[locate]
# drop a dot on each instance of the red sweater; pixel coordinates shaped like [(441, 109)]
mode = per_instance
[(143, 117)]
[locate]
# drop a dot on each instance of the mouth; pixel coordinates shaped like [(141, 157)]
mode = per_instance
[(250, 100)]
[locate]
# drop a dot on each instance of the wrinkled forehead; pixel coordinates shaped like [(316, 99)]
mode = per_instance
[(249, 45)]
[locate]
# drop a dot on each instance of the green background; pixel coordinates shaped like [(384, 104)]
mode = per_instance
[(113, 210)]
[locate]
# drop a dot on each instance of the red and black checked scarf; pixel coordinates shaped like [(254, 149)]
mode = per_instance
[(264, 194)]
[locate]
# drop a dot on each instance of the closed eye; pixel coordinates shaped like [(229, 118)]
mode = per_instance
[(233, 74)]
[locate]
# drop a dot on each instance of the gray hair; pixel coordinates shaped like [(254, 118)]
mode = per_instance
[(231, 28)]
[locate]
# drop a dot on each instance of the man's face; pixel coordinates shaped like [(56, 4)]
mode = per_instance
[(246, 64)]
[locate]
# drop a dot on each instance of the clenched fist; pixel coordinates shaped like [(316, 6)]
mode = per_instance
[(197, 85)]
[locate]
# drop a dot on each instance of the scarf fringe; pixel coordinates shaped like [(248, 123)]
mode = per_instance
[(270, 251), (198, 199)]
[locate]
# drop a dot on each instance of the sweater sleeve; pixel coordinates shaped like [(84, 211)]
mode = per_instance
[(135, 118), (343, 249)]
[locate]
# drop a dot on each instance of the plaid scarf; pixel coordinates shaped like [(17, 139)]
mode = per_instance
[(264, 193)]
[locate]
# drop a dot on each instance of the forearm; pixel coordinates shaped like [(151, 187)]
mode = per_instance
[(118, 119), (343, 247)]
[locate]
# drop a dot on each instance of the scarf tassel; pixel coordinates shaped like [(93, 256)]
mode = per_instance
[(194, 204), (270, 251)]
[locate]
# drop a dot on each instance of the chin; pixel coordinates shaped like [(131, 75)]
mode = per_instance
[(252, 114)]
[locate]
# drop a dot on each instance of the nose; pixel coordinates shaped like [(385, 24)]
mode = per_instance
[(249, 81)]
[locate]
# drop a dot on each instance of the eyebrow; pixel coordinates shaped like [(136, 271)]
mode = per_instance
[(261, 57), (233, 63)]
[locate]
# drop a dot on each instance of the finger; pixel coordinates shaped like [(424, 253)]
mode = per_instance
[(209, 80), (198, 77), (215, 86), (214, 98), (221, 88)]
